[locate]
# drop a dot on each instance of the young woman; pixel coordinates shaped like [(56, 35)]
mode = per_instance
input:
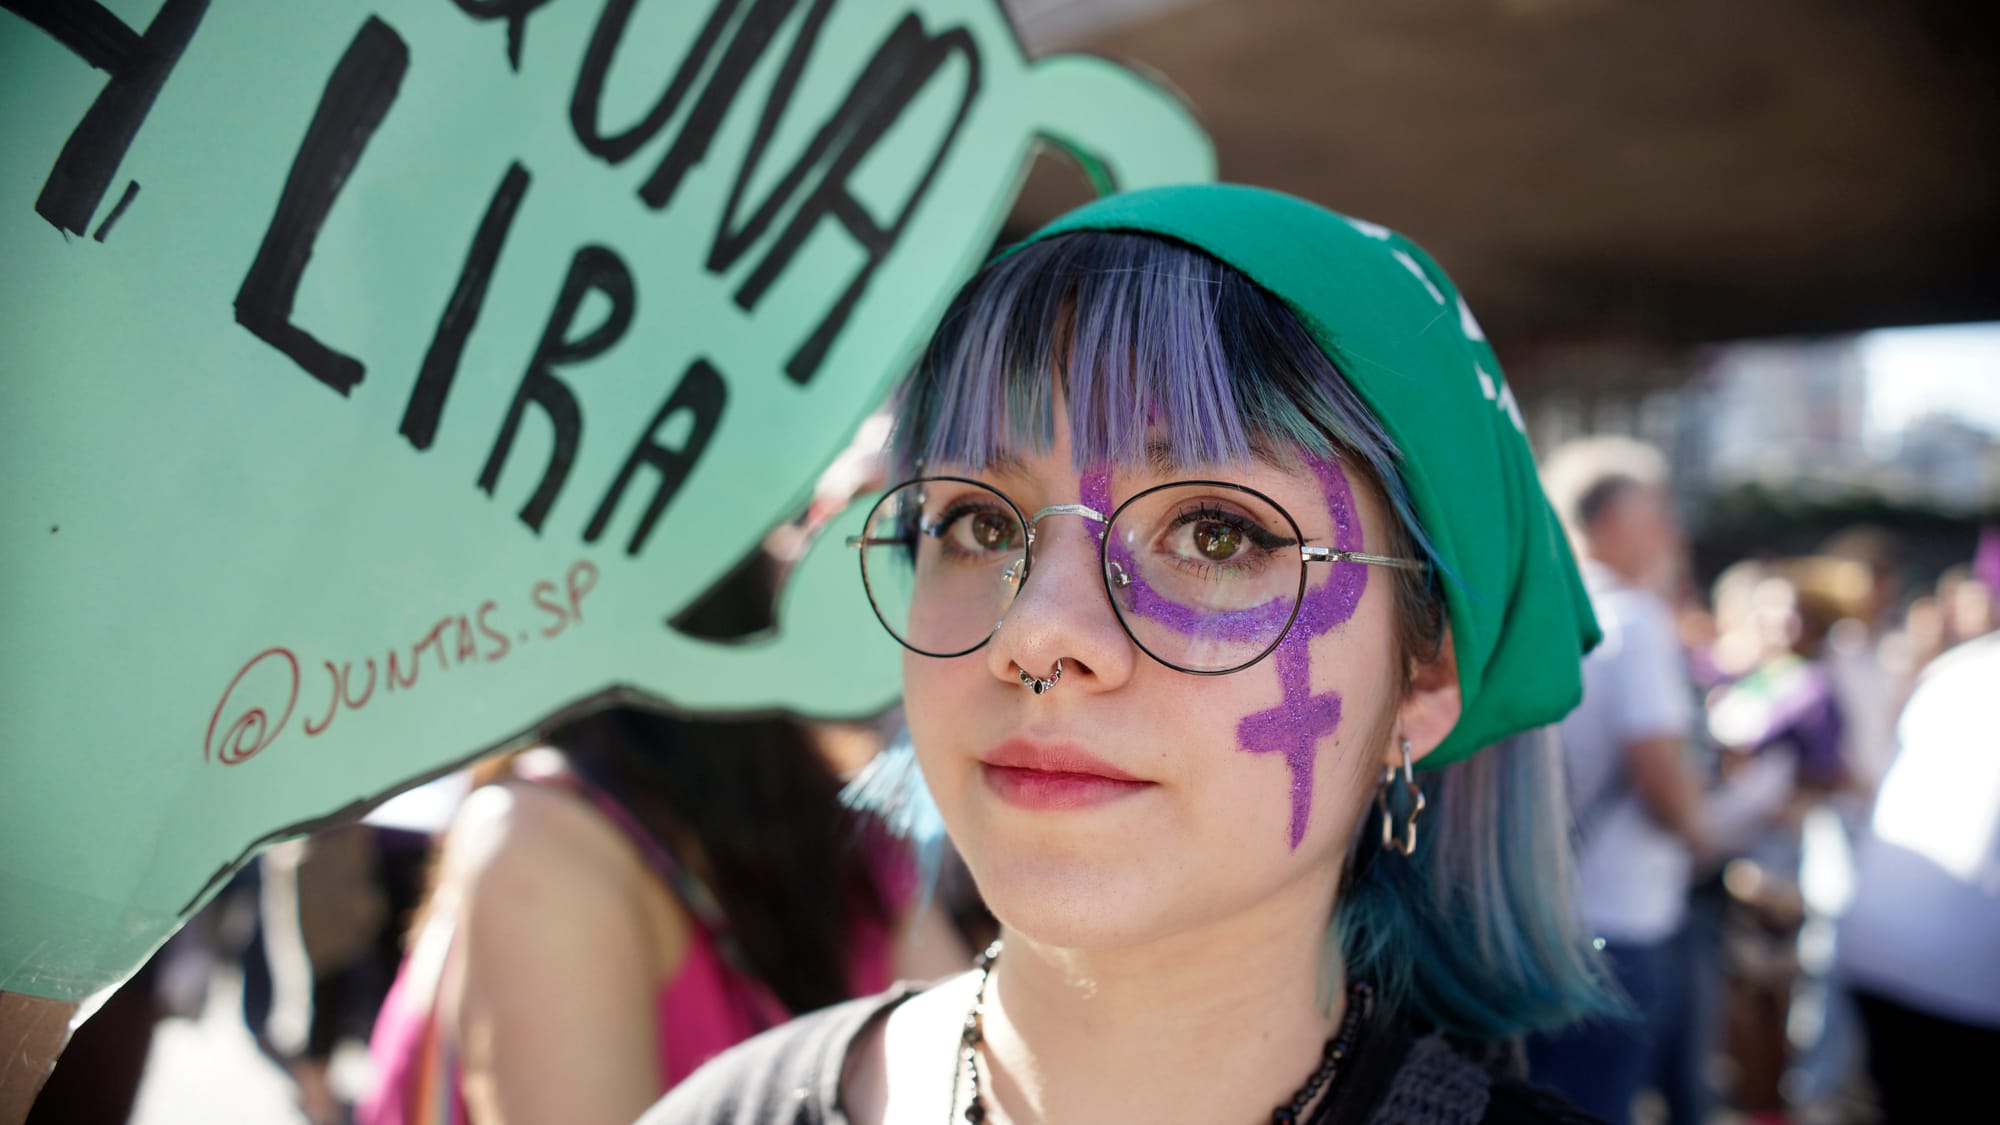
[(1219, 522), (612, 909)]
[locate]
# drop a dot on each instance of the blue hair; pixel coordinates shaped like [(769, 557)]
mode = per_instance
[(1473, 932), (1153, 340)]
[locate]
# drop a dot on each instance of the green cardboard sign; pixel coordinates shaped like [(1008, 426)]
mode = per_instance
[(384, 378)]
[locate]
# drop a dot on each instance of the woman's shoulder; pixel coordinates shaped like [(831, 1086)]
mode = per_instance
[(542, 820), (520, 819), (515, 840), (1436, 1081), (789, 1075)]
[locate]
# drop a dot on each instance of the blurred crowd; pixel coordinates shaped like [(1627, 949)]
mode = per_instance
[(1787, 803), (1785, 787)]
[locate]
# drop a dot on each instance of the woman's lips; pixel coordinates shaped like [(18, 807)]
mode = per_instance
[(1049, 776)]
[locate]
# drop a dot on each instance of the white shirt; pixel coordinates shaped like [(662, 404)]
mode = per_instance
[(1632, 874), (1924, 927)]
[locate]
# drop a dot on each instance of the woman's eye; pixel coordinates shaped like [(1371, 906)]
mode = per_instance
[(992, 532), (971, 529), (1214, 542), (1217, 542)]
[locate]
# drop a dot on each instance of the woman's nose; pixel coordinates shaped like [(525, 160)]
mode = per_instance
[(1059, 611)]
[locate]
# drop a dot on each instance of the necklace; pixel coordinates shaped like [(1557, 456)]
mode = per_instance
[(1360, 997)]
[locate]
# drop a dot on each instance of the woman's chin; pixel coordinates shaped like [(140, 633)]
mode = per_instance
[(1074, 905)]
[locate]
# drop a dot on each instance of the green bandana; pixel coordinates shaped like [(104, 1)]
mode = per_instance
[(1395, 326)]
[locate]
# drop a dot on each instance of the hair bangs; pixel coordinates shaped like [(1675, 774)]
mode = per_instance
[(1150, 343)]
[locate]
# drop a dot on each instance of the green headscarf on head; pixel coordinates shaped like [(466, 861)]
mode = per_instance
[(1393, 324)]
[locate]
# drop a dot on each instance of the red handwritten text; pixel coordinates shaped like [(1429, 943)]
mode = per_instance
[(272, 678), (251, 730)]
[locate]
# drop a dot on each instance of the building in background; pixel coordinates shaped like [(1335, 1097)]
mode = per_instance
[(1778, 443), (1788, 415)]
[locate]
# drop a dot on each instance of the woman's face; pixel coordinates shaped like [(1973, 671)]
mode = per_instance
[(1131, 801)]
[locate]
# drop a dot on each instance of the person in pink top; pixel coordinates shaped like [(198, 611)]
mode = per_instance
[(611, 910)]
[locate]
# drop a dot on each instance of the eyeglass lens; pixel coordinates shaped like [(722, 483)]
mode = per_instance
[(1204, 577)]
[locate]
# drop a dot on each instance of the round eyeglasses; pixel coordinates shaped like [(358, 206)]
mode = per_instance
[(1205, 576)]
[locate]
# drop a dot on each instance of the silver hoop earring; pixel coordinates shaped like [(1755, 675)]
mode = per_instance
[(1405, 842), (1037, 683)]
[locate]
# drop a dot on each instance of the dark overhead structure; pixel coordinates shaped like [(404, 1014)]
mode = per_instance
[(1673, 173)]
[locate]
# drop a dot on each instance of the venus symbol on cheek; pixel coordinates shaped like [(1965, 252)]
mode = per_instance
[(1295, 726)]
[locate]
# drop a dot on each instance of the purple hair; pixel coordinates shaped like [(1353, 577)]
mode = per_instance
[(1149, 339)]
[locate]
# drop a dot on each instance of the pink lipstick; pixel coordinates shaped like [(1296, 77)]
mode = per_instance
[(1054, 776)]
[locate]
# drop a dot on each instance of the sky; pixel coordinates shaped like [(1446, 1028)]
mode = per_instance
[(1913, 371)]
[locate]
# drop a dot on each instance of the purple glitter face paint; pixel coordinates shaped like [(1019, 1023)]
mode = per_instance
[(1234, 626), (1295, 726), (1094, 491), (1239, 627)]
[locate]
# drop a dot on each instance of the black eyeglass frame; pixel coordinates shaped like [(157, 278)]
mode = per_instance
[(1307, 554)]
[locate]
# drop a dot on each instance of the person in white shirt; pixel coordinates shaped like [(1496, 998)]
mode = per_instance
[(1635, 797), (1920, 945)]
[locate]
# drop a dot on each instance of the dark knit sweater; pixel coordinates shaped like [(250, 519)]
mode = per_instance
[(791, 1076)]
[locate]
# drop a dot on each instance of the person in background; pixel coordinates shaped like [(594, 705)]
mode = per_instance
[(1919, 946), (1960, 609), (619, 904), (329, 918), (1788, 701), (1968, 606), (1636, 799), (1784, 716), (1860, 657), (1986, 570)]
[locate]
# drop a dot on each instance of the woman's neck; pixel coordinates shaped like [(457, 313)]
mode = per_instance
[(1215, 1024)]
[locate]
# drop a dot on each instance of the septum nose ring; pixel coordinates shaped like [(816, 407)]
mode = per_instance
[(1017, 573), (1037, 683)]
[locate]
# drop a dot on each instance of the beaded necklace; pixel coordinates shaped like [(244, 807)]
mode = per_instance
[(1360, 998)]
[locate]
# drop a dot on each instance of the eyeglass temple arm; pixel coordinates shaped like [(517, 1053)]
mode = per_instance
[(1330, 555), (877, 541)]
